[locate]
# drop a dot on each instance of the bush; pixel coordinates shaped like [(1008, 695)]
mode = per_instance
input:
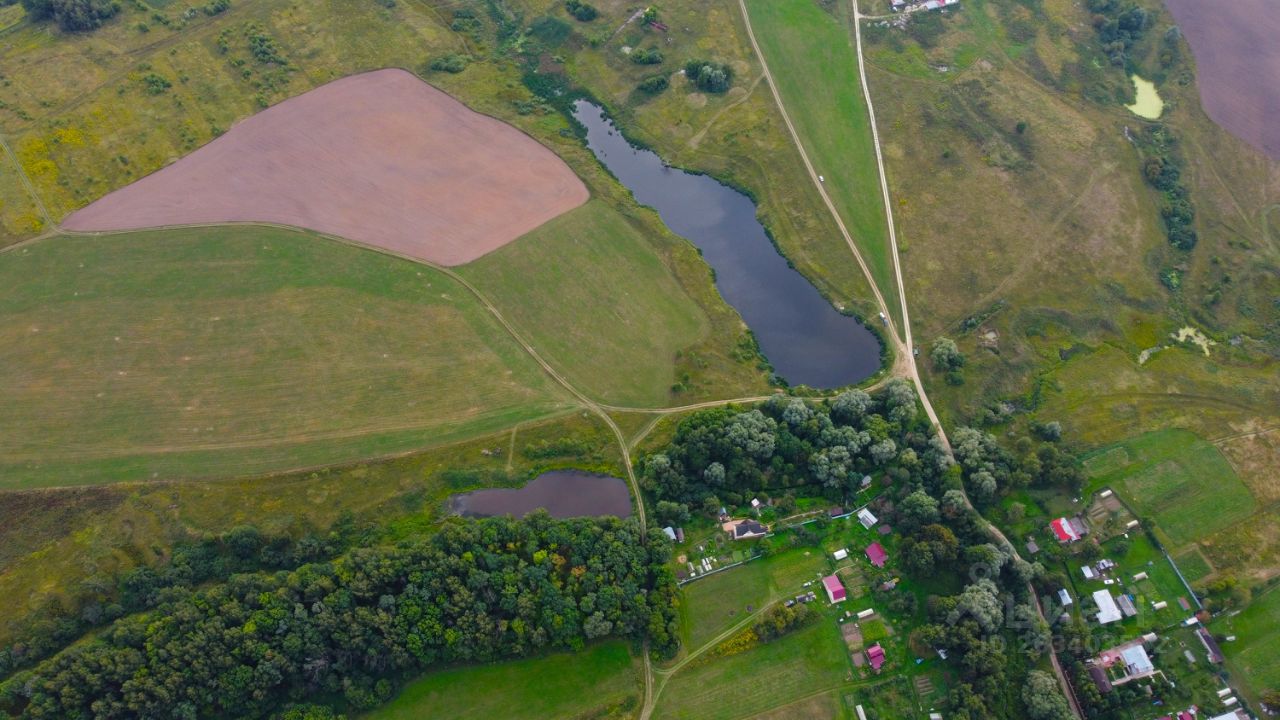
[(650, 56), (582, 12), (550, 31), (156, 84), (451, 63), (654, 85), (709, 76), (72, 15), (216, 7)]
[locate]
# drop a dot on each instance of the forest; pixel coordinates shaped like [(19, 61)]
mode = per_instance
[(348, 630)]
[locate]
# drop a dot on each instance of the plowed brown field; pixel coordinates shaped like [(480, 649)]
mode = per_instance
[(1237, 49), (381, 158)]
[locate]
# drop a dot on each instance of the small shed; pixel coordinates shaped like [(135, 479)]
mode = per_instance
[(840, 554), (1140, 576), (670, 532), (1064, 597), (864, 614), (867, 519)]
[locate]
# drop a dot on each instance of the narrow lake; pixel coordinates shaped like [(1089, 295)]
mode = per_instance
[(563, 493), (808, 341)]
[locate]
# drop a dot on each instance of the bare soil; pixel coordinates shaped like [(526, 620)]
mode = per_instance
[(1238, 59), (380, 158)]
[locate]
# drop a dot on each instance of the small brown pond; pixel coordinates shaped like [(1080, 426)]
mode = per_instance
[(563, 493)]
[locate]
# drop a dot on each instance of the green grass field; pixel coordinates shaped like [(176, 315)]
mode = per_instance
[(590, 683), (596, 300), (1254, 657), (236, 351), (779, 673), (1176, 479), (812, 58), (714, 604)]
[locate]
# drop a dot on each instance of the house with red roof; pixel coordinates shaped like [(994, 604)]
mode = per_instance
[(835, 589), (875, 656), (876, 554), (1068, 531)]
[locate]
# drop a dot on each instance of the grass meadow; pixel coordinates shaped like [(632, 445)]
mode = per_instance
[(812, 57), (714, 604), (237, 351), (599, 303), (600, 681), (1254, 656), (798, 665), (1178, 480)]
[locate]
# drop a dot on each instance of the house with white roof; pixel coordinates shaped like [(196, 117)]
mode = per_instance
[(1107, 610)]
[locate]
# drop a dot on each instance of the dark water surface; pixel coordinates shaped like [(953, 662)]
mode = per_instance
[(808, 341), (563, 493)]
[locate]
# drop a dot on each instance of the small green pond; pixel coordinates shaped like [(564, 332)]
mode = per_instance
[(1148, 105)]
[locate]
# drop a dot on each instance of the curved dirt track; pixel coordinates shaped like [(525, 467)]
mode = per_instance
[(380, 158)]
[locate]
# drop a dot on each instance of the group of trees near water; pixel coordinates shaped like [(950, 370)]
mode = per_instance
[(348, 629), (724, 456)]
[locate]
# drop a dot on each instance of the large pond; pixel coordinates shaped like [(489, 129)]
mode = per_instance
[(806, 339), (563, 493)]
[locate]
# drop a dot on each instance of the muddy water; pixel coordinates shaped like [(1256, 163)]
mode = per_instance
[(563, 493), (806, 339), (1148, 103)]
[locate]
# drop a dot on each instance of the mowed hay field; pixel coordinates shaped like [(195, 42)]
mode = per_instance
[(232, 351), (601, 681), (1176, 479), (599, 303), (812, 57), (717, 603), (803, 663)]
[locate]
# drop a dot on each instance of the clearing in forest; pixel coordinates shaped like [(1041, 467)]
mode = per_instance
[(381, 158)]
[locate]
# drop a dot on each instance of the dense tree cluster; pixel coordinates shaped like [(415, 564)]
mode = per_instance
[(72, 15), (780, 620), (476, 591), (709, 76), (725, 455), (191, 563), (1163, 171), (1119, 24)]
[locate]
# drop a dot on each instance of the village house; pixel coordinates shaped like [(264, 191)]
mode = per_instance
[(1068, 530), (835, 589), (875, 656), (745, 529), (1122, 664), (1107, 610), (876, 554)]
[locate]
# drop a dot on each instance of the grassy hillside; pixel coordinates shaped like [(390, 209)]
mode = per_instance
[(59, 548), (1031, 236), (813, 60), (597, 682), (231, 351), (597, 301)]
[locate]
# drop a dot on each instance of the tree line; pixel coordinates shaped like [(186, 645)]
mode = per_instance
[(349, 629)]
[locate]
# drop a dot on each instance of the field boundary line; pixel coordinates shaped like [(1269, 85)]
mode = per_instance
[(21, 172)]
